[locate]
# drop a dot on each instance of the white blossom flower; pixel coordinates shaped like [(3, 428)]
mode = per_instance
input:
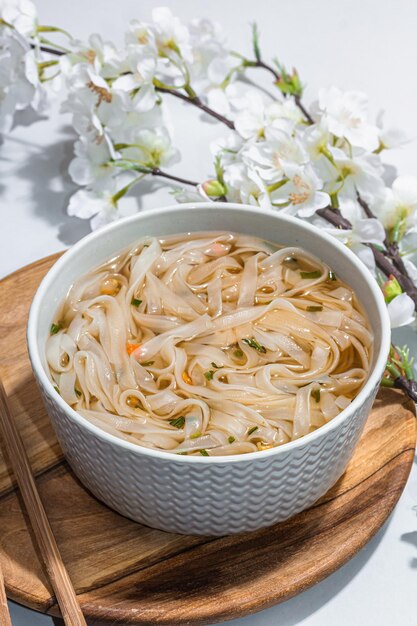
[(273, 156), (101, 206), (363, 231), (411, 270), (211, 62), (138, 78), (361, 172), (400, 204), (22, 14), (317, 141), (101, 57), (91, 164), (151, 149), (401, 311), (255, 116), (170, 32), (246, 186), (302, 195), (346, 114), (390, 137), (19, 80)]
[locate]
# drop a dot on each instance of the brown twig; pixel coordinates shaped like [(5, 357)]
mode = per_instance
[(49, 50), (184, 181), (277, 77), (383, 261), (195, 101), (409, 386)]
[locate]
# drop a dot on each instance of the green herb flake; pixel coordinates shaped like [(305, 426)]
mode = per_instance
[(136, 302), (314, 308), (316, 394), (231, 439), (77, 392), (209, 375), (57, 389), (331, 276), (252, 430), (217, 367), (146, 245), (178, 422), (314, 274), (147, 363), (183, 453), (238, 353), (252, 343), (196, 435), (204, 452), (55, 328)]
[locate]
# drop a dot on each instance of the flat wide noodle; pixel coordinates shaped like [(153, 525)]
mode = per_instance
[(209, 343)]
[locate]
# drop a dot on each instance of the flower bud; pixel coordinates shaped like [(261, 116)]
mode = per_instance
[(213, 188), (391, 288)]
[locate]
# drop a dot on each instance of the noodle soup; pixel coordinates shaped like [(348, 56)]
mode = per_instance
[(209, 343)]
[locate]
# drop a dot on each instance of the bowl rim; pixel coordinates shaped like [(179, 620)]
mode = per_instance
[(357, 402)]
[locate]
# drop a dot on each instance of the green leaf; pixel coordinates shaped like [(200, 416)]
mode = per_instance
[(316, 394), (204, 452), (218, 168), (209, 375), (255, 41), (231, 439), (252, 430), (252, 343), (315, 274), (55, 328), (178, 422), (387, 382), (136, 302)]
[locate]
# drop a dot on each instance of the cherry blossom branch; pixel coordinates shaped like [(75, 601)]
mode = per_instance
[(391, 246), (48, 50), (260, 63), (409, 386), (195, 101), (184, 181), (384, 262)]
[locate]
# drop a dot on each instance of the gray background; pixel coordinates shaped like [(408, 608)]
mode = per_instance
[(360, 44)]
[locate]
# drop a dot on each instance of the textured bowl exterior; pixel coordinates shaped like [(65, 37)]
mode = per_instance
[(210, 499), (206, 495)]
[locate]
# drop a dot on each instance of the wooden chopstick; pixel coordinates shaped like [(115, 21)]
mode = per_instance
[(61, 583), (4, 609)]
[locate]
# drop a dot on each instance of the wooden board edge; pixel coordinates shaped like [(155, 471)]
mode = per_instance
[(359, 541)]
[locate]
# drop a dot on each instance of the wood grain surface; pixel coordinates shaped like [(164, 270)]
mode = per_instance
[(125, 573)]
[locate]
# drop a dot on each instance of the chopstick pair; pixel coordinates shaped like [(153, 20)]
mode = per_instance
[(58, 575)]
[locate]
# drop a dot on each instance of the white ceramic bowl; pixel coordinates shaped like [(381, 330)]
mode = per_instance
[(203, 495)]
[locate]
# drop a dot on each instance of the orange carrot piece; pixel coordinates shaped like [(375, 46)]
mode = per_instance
[(131, 347), (186, 378)]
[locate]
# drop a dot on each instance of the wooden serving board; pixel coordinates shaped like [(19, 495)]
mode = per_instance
[(125, 573)]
